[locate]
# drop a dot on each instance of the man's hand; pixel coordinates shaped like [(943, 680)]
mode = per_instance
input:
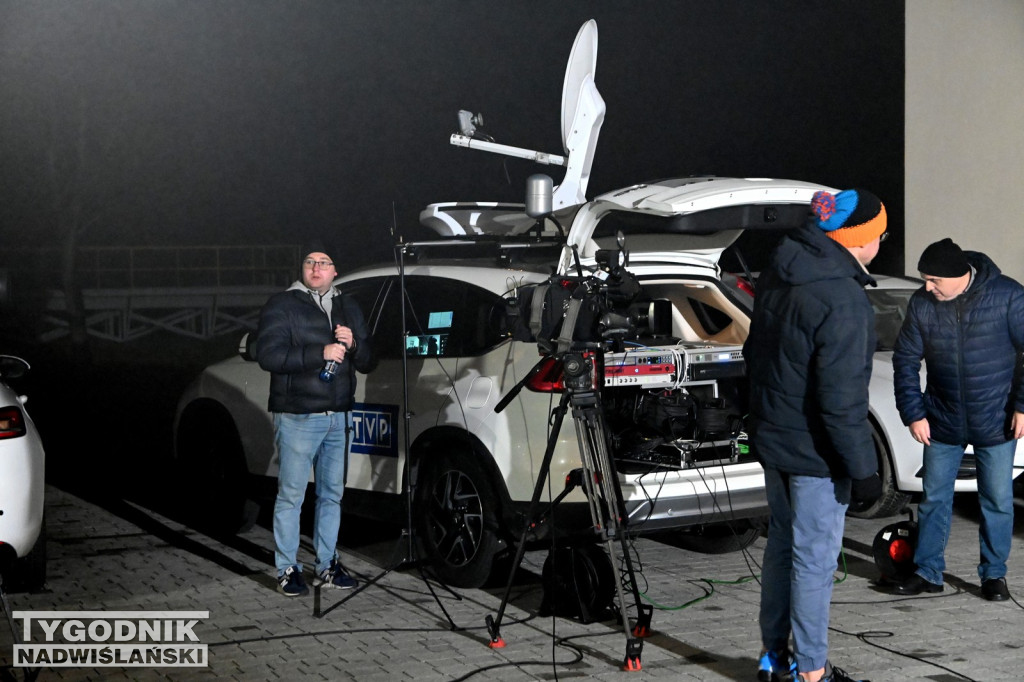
[(344, 336), (335, 351), (922, 432), (1018, 425), (864, 492)]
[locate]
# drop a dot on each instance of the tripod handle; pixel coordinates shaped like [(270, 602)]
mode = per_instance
[(511, 395)]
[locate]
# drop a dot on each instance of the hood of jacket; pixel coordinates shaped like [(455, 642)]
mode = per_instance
[(985, 270), (807, 255)]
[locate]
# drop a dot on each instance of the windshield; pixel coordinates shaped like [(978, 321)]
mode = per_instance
[(890, 310)]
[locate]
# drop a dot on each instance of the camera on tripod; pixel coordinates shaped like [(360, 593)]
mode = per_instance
[(603, 309)]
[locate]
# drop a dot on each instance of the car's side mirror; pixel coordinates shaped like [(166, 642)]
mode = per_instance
[(247, 347)]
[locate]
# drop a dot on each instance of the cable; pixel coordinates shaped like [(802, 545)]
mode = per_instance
[(867, 635)]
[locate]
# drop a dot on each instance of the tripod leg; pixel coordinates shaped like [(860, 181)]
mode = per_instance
[(607, 509), (494, 623)]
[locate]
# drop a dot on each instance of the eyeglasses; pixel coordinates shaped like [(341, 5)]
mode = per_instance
[(322, 264), (881, 238)]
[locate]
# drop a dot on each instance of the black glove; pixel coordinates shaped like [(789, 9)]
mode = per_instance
[(864, 492)]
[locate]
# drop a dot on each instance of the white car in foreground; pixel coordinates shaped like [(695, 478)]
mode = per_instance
[(22, 486), (674, 394)]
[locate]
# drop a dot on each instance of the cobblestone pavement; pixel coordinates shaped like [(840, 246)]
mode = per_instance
[(121, 557)]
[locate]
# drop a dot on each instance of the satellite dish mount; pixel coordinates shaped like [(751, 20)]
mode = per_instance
[(583, 112)]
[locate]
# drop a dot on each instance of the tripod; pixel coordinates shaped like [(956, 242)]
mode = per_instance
[(604, 496), (409, 478)]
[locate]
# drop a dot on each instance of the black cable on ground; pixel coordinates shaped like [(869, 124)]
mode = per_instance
[(868, 634)]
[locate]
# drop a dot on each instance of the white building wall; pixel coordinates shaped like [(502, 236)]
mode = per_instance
[(965, 128)]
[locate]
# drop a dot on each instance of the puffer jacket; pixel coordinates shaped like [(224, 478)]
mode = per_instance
[(970, 346), (293, 331), (809, 355)]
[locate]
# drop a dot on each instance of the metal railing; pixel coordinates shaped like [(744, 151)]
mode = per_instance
[(130, 292), (134, 267)]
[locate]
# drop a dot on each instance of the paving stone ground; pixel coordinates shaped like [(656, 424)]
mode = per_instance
[(121, 556)]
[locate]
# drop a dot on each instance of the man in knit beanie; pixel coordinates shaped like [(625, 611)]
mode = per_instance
[(301, 331), (967, 324), (809, 354)]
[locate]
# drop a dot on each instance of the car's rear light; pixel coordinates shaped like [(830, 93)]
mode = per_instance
[(12, 422), (744, 285), (547, 377)]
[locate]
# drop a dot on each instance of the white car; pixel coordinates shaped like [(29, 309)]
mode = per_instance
[(22, 486), (674, 396)]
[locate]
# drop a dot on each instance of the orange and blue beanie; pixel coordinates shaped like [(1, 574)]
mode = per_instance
[(853, 217)]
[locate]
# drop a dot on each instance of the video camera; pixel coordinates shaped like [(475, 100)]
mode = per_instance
[(587, 310)]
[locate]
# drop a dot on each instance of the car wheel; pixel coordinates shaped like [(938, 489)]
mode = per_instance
[(717, 538), (212, 469), (892, 501), (28, 574), (457, 519)]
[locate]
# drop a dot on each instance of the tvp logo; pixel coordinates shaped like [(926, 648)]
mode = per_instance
[(374, 429)]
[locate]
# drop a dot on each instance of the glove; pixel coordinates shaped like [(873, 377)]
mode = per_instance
[(864, 492)]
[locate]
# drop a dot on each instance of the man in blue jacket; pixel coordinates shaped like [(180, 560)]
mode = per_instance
[(809, 353), (967, 324), (300, 331)]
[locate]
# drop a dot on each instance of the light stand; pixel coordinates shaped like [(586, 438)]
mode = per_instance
[(409, 480)]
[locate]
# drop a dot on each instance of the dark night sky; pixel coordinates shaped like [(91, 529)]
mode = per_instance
[(249, 122)]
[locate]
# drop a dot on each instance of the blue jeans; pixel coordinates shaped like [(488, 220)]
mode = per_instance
[(995, 497), (805, 533), (305, 442)]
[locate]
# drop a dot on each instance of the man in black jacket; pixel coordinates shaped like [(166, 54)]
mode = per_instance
[(301, 330), (967, 324), (809, 354)]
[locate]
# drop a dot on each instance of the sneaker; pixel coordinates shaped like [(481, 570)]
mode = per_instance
[(776, 666), (291, 584), (994, 589), (335, 577), (833, 674)]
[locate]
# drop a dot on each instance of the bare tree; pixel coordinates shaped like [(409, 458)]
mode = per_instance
[(69, 197)]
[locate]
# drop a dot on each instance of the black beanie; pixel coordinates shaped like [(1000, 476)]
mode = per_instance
[(943, 259), (315, 246)]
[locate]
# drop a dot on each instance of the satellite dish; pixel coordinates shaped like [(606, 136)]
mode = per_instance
[(582, 116), (581, 67), (583, 112)]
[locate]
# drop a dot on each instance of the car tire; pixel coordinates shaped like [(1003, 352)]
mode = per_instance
[(892, 501), (457, 519), (211, 466), (717, 538), (28, 574)]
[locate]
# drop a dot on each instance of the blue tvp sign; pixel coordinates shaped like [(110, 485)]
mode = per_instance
[(375, 429)]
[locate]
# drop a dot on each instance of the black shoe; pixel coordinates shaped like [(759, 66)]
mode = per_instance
[(334, 576), (291, 584), (994, 589), (915, 584), (833, 674)]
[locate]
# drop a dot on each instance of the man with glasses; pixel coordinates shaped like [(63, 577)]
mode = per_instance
[(301, 331)]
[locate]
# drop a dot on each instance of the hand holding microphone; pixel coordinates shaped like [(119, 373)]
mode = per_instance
[(334, 353)]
